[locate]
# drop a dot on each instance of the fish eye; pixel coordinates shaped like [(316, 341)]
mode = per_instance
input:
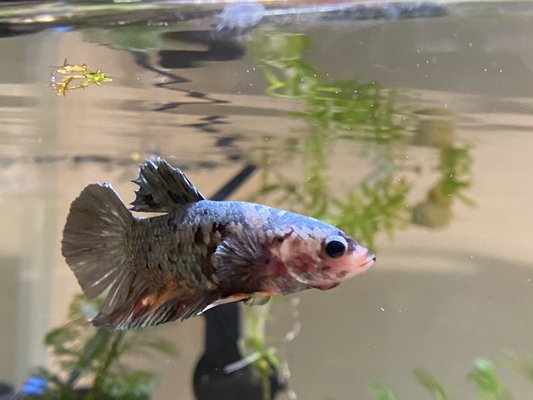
[(336, 246)]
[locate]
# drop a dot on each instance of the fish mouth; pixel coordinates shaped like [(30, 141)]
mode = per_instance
[(363, 258), (371, 259), (362, 261)]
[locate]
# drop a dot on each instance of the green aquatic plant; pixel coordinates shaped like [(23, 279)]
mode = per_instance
[(256, 343), (453, 182), (279, 57), (373, 207), (428, 382), (369, 119), (131, 37), (76, 77), (95, 355), (486, 383), (362, 210), (380, 392), (336, 110), (454, 164)]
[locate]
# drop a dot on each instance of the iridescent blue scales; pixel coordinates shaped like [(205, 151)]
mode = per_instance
[(198, 254)]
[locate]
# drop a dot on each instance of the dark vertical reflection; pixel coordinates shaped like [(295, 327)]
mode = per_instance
[(211, 382)]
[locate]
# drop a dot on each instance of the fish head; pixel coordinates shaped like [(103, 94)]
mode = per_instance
[(323, 258)]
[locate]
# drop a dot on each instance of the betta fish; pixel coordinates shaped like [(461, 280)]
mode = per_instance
[(196, 254)]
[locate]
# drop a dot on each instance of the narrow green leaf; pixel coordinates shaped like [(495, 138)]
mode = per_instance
[(381, 392), (430, 384)]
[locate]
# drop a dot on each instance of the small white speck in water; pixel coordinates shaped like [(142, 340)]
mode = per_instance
[(294, 332), (382, 309), (291, 395)]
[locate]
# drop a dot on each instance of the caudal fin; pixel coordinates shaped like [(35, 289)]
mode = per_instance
[(94, 244)]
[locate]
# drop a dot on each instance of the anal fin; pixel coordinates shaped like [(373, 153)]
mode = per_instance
[(154, 310)]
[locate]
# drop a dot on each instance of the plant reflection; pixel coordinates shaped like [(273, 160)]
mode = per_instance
[(347, 108)]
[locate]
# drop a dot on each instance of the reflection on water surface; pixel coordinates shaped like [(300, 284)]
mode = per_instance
[(406, 127)]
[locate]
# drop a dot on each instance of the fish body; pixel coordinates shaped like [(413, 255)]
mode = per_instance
[(198, 254)]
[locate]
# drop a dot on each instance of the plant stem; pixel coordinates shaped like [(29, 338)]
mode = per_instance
[(112, 355)]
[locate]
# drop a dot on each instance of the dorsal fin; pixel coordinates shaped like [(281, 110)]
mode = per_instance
[(162, 188)]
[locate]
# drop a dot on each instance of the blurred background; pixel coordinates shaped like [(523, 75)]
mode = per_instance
[(406, 124)]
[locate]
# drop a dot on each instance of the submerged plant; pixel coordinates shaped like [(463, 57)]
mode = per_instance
[(428, 382), (487, 384), (95, 355), (75, 77), (381, 392), (256, 344)]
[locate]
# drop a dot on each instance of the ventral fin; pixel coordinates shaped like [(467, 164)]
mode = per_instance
[(162, 188), (257, 300), (326, 286)]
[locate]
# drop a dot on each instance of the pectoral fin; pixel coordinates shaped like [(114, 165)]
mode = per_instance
[(235, 257)]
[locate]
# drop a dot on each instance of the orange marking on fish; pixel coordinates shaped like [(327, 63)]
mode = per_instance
[(172, 290)]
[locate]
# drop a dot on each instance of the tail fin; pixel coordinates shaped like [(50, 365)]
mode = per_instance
[(94, 244)]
